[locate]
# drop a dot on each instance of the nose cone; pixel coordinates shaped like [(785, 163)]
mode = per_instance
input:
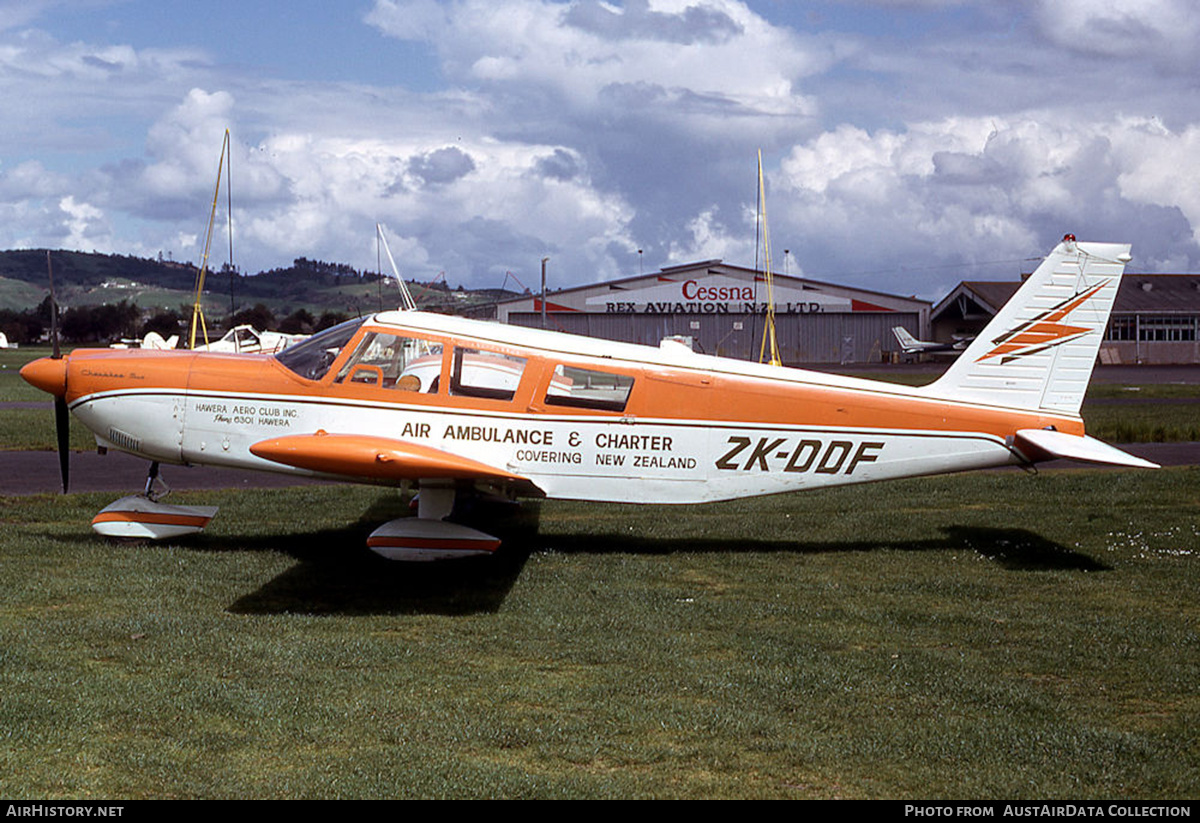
[(47, 374)]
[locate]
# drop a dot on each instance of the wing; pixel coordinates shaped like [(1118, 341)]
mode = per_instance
[(362, 456)]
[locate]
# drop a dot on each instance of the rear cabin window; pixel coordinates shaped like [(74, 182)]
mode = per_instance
[(393, 361), (588, 389), (478, 373)]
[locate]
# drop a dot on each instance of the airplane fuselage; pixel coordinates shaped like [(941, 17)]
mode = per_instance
[(578, 418)]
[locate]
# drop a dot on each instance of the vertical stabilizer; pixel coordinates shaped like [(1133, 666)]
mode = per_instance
[(907, 342), (1039, 350)]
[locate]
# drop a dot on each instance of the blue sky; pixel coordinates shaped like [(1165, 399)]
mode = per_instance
[(297, 40), (908, 143)]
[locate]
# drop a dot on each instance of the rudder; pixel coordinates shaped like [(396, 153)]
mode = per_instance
[(1039, 350)]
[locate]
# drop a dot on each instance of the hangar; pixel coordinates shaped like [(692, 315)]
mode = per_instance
[(722, 308), (1155, 321)]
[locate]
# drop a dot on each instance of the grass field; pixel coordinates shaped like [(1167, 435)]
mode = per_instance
[(984, 636), (1167, 422), (12, 387)]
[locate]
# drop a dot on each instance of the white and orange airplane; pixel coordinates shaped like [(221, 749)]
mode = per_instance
[(911, 345), (461, 406)]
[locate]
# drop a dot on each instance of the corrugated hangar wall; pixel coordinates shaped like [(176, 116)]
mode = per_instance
[(834, 337)]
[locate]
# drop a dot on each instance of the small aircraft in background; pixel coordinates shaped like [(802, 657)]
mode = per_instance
[(911, 345), (246, 339), (464, 407), (152, 340)]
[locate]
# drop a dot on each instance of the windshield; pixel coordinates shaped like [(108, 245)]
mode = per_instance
[(312, 357)]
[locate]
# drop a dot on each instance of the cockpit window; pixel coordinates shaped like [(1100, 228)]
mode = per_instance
[(311, 358), (393, 361)]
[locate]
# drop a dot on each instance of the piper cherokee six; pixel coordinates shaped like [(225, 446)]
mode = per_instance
[(461, 406)]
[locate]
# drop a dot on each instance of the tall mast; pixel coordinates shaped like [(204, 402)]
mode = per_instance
[(769, 324)]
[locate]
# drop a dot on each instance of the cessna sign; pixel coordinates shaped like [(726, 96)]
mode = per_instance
[(718, 294), (721, 308)]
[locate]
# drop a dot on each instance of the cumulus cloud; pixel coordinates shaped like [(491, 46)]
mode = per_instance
[(85, 226), (585, 130), (474, 208), (637, 20), (711, 49), (653, 104), (16, 13), (30, 180), (183, 151), (560, 165), (974, 191), (441, 166), (1153, 29), (73, 96), (409, 19), (708, 237), (1154, 164)]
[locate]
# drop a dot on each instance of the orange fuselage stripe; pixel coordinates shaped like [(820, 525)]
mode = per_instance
[(662, 393)]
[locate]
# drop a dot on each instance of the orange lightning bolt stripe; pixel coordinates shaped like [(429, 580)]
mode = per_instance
[(1043, 331)]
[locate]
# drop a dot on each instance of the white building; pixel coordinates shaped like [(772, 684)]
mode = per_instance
[(722, 309)]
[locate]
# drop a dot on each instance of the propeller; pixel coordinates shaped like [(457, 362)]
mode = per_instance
[(62, 416), (62, 428)]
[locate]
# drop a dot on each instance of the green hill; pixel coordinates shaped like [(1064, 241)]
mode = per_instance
[(90, 279)]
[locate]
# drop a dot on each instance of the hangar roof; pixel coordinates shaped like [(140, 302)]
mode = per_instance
[(708, 281), (1139, 293)]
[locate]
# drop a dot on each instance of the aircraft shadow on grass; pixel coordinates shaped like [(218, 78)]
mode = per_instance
[(350, 580), (336, 574), (1016, 549)]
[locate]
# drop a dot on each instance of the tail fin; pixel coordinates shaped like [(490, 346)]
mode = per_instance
[(1039, 350), (905, 339)]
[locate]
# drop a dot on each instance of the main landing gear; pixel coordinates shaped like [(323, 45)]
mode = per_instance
[(427, 536)]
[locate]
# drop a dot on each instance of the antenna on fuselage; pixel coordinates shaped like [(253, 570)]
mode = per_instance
[(406, 298)]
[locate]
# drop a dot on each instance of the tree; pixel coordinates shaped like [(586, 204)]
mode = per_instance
[(21, 327), (165, 322), (328, 319), (298, 322), (260, 317), (97, 323)]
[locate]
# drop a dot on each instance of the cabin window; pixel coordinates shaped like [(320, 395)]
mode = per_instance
[(588, 389), (312, 357), (488, 374), (393, 361)]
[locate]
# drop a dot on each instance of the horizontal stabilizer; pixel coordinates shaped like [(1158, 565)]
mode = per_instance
[(1072, 447), (379, 458)]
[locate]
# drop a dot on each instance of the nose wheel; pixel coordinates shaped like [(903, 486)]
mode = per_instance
[(145, 517)]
